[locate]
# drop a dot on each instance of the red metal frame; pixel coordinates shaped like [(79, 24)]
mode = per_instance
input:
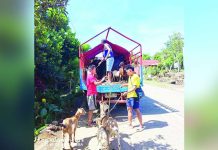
[(108, 31), (134, 48), (101, 97)]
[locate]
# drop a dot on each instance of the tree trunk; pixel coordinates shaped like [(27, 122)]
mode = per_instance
[(178, 66), (171, 67)]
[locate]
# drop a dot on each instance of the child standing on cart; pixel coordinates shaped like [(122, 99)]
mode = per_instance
[(108, 55)]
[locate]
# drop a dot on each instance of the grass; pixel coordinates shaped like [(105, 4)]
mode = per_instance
[(37, 131), (156, 83)]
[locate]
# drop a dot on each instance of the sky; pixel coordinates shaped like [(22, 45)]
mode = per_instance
[(200, 51), (147, 22), (150, 23)]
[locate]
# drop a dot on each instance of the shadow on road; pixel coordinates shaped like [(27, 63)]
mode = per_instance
[(152, 144), (144, 145), (149, 106), (155, 124), (83, 144)]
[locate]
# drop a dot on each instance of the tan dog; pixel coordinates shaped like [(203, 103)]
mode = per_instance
[(70, 125), (108, 123), (103, 108), (103, 138)]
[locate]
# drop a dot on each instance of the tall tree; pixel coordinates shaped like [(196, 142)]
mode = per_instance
[(158, 56), (56, 47), (56, 59), (167, 59), (146, 57), (86, 47), (174, 46)]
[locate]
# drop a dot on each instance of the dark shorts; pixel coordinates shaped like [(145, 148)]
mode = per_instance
[(132, 102)]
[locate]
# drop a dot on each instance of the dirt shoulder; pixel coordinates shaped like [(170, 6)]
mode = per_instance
[(165, 85)]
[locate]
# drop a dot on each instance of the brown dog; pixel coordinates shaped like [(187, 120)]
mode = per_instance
[(122, 72), (70, 125)]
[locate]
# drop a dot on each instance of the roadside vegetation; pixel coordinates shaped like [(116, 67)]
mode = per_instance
[(56, 62), (170, 68)]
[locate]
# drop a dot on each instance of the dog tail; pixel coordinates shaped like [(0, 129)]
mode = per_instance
[(62, 125)]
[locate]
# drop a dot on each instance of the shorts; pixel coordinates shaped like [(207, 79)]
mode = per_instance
[(109, 63), (91, 100), (132, 102)]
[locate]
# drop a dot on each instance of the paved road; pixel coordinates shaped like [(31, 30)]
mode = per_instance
[(163, 117)]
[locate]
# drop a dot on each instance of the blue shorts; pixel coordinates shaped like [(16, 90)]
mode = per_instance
[(132, 102), (109, 63)]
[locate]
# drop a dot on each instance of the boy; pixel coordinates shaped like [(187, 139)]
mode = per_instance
[(132, 101), (91, 83), (108, 56)]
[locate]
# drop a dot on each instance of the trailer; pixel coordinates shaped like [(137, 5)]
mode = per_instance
[(109, 91)]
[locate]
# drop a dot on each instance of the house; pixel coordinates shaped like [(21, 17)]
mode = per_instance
[(147, 63)]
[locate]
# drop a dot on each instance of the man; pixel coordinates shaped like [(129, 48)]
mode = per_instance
[(91, 83), (136, 67), (132, 102), (108, 55)]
